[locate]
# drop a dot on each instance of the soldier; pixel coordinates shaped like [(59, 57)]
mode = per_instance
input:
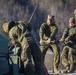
[(20, 35), (47, 33), (69, 53), (75, 15)]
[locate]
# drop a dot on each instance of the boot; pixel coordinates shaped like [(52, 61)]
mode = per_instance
[(56, 70), (72, 68), (30, 69), (66, 69)]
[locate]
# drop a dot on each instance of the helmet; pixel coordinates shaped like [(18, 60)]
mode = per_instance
[(49, 17), (75, 12), (72, 20), (7, 26)]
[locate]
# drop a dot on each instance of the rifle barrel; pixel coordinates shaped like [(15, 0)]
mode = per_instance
[(33, 14)]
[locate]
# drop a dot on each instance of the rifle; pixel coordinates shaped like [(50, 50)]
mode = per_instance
[(33, 14), (45, 44)]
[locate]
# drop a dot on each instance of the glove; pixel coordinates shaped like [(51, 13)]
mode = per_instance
[(61, 40), (66, 39)]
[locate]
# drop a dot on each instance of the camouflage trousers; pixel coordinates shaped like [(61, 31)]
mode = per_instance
[(34, 52), (68, 56), (55, 49)]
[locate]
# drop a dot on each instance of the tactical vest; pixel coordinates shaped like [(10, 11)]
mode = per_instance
[(72, 34)]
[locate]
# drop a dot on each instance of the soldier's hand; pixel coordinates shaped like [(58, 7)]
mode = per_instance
[(66, 39), (70, 41), (41, 41), (61, 40), (23, 56), (48, 41)]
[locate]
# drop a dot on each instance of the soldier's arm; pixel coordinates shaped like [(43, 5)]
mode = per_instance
[(54, 32), (65, 33), (64, 36), (13, 36), (41, 31)]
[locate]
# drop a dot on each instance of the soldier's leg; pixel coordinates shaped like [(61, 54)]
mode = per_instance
[(56, 52), (43, 51), (20, 63), (29, 68), (72, 68), (71, 60), (64, 57), (11, 69), (26, 59), (36, 53)]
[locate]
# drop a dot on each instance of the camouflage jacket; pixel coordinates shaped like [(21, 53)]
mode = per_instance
[(71, 33), (20, 34), (46, 31)]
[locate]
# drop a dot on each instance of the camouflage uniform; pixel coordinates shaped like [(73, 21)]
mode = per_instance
[(50, 32), (69, 53), (20, 34)]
